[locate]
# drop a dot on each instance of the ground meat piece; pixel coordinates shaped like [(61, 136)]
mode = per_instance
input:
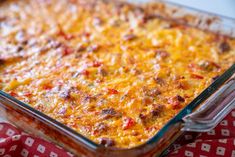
[(102, 72), (180, 98), (215, 78), (145, 118), (151, 92), (97, 21), (65, 93), (93, 48), (182, 84), (142, 117), (161, 54), (89, 99), (176, 101), (128, 37), (2, 61), (157, 110), (100, 128), (135, 71), (107, 142), (224, 47), (147, 100), (110, 113), (148, 17), (19, 48), (159, 81), (53, 44), (154, 113), (3, 18), (80, 47), (40, 107)]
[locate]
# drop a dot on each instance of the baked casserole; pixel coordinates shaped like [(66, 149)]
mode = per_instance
[(112, 71)]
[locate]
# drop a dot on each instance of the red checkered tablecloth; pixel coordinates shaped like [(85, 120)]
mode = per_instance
[(15, 143), (218, 142)]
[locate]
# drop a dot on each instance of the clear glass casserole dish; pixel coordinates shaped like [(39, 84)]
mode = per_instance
[(203, 119)]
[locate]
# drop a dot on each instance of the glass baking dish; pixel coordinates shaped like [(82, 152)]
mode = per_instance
[(201, 115)]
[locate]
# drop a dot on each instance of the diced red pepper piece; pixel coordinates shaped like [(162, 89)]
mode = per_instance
[(13, 94), (47, 87), (176, 102), (128, 123), (176, 105), (66, 51), (216, 65), (27, 94), (96, 64), (85, 72), (66, 36), (151, 128), (196, 76), (112, 91)]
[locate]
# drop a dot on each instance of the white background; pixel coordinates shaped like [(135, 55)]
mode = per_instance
[(222, 7)]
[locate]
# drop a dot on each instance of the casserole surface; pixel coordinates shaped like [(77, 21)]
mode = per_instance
[(112, 71)]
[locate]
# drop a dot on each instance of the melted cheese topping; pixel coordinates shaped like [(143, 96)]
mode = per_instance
[(110, 71)]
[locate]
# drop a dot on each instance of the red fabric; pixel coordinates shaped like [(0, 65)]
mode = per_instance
[(14, 143), (218, 142)]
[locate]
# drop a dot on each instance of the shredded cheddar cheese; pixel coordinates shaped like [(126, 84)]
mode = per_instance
[(111, 71)]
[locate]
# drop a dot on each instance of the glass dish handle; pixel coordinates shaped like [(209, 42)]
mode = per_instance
[(213, 110)]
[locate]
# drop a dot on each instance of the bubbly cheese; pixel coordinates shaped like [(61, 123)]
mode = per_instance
[(111, 71)]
